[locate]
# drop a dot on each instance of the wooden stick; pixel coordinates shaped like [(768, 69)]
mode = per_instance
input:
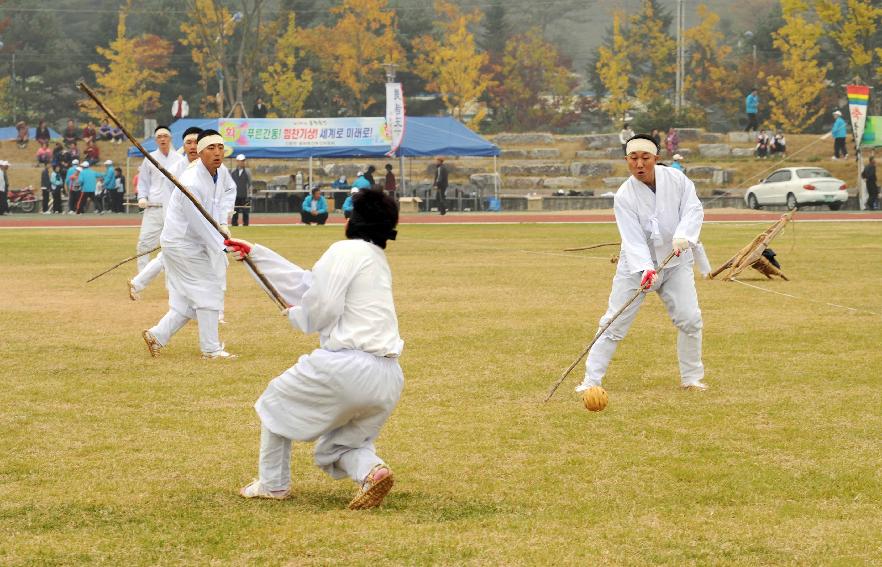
[(592, 246), (601, 331), (118, 264), (273, 292)]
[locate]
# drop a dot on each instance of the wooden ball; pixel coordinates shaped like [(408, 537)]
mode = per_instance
[(595, 398)]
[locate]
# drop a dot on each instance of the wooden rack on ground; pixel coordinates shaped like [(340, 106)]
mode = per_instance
[(751, 256)]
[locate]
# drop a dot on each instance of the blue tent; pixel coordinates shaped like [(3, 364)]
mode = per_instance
[(11, 133), (424, 136)]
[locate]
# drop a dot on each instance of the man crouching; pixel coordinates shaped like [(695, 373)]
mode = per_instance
[(341, 394)]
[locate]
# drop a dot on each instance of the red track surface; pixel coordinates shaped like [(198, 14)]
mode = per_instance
[(25, 220)]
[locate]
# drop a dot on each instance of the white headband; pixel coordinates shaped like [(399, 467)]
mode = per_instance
[(208, 140), (641, 145), (162, 131), (189, 137)]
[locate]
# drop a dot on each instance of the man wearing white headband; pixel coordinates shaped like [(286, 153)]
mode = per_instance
[(154, 266), (154, 191), (657, 211), (193, 251)]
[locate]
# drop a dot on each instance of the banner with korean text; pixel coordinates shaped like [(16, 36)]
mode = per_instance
[(395, 115), (858, 98), (243, 133)]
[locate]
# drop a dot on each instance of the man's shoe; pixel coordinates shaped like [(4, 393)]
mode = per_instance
[(257, 490), (152, 344), (696, 386), (375, 487), (221, 354), (133, 295)]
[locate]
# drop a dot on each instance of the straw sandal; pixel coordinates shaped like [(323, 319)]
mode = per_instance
[(152, 344), (373, 490)]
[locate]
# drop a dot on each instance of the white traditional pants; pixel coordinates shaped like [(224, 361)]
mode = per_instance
[(148, 274), (151, 228), (676, 288), (338, 399), (174, 321)]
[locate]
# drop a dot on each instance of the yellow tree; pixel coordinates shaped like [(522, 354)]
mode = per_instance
[(353, 51), (708, 78), (795, 93), (653, 51), (450, 62), (135, 67), (853, 26), (287, 92), (614, 70)]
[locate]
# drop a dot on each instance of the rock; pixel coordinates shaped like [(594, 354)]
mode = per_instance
[(742, 152), (521, 182), (513, 154), (592, 169), (561, 183), (598, 141), (544, 153), (348, 169), (711, 138), (485, 180), (705, 171), (739, 137), (714, 150), (685, 152), (454, 169), (690, 133), (613, 182), (535, 169), (722, 176), (521, 139), (272, 169), (592, 154)]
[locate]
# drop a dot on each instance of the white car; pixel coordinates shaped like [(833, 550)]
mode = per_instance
[(798, 186)]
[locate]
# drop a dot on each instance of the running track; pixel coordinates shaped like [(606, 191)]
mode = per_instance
[(33, 220)]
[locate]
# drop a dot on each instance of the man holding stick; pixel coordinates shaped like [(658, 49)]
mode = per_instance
[(342, 393), (193, 251), (657, 211), (154, 266)]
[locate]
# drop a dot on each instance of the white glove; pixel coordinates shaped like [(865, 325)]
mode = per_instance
[(142, 203), (225, 230), (680, 246)]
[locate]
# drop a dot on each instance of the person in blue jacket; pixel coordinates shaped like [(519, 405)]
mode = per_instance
[(88, 183), (361, 182), (110, 189), (839, 132), (751, 107), (347, 204), (315, 208)]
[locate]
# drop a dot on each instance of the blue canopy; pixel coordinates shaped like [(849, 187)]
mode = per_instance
[(424, 136), (11, 133)]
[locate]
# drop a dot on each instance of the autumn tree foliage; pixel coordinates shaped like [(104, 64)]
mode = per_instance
[(797, 91), (135, 67), (533, 84), (853, 25), (614, 71), (286, 89), (450, 62), (652, 52), (709, 74), (353, 50)]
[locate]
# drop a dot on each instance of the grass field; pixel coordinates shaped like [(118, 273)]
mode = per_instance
[(110, 457)]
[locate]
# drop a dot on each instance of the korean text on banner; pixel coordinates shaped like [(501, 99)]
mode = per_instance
[(303, 132), (858, 97), (395, 116)]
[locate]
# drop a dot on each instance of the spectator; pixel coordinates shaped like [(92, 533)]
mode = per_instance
[(839, 132), (298, 181), (676, 164), (73, 188), (751, 107), (74, 152), (369, 175), (180, 108), (57, 154), (42, 134), (4, 187), (869, 176), (110, 189), (656, 135), (116, 134), (89, 133), (390, 186), (440, 184), (56, 183), (88, 186), (92, 152), (120, 191), (71, 134), (340, 183), (762, 145), (105, 131), (779, 145), (23, 136), (360, 181), (242, 179), (625, 134), (46, 187), (44, 154), (672, 141), (347, 204), (315, 208), (259, 110)]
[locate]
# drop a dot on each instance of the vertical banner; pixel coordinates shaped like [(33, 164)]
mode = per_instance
[(395, 116), (858, 97)]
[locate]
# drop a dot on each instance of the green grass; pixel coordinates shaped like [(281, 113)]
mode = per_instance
[(110, 457)]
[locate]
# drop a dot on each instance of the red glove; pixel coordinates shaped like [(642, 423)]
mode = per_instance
[(649, 277), (239, 248)]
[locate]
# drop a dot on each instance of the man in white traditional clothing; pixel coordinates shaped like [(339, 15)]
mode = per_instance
[(342, 393), (154, 266), (657, 211), (193, 251)]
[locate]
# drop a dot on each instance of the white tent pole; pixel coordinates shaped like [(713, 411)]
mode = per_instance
[(495, 180), (128, 178), (310, 173), (403, 190), (860, 182)]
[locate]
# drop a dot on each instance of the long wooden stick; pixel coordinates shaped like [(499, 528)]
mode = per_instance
[(601, 331), (273, 292), (118, 264), (593, 246)]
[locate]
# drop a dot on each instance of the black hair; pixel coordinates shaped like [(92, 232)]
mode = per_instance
[(207, 133), (388, 167), (191, 130), (643, 137), (374, 218), (371, 169)]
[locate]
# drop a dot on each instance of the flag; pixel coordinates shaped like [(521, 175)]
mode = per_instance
[(858, 97), (395, 116)]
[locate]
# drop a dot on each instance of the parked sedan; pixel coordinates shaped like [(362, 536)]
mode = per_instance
[(798, 186)]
